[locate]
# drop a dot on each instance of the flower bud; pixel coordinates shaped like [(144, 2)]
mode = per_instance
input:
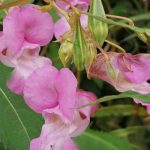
[(79, 46), (66, 51), (98, 28), (90, 56)]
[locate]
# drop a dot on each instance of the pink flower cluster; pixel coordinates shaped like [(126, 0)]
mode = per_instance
[(52, 92), (46, 90)]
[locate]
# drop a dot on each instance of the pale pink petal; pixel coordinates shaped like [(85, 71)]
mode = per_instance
[(29, 49), (23, 70), (13, 29), (64, 5), (38, 26), (84, 21), (2, 42), (53, 135), (136, 66), (70, 145), (79, 124), (35, 144), (61, 27), (84, 98), (39, 91), (66, 85)]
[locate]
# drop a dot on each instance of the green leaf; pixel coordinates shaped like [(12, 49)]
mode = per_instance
[(120, 110), (129, 130), (18, 124), (101, 141)]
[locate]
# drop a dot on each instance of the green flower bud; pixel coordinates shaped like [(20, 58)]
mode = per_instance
[(66, 52), (90, 57), (79, 46), (98, 28)]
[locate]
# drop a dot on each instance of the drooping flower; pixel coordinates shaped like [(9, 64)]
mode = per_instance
[(56, 134), (124, 71)]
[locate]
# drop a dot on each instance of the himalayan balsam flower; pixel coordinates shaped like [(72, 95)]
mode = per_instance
[(25, 29), (56, 134), (124, 71), (48, 88)]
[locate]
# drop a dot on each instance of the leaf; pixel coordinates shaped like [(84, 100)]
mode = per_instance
[(120, 110), (18, 124), (129, 130), (101, 141)]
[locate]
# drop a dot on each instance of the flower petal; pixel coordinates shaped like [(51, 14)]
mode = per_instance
[(66, 85), (38, 26), (39, 91), (61, 27)]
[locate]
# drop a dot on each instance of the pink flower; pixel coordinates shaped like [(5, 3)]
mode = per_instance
[(124, 71), (25, 29), (49, 88), (24, 66), (80, 4), (62, 26), (56, 134), (22, 25)]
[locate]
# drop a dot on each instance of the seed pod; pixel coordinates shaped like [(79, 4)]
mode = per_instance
[(79, 46), (66, 52), (98, 28)]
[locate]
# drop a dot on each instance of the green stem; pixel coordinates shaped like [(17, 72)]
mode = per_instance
[(106, 99), (11, 4), (109, 21), (140, 17)]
